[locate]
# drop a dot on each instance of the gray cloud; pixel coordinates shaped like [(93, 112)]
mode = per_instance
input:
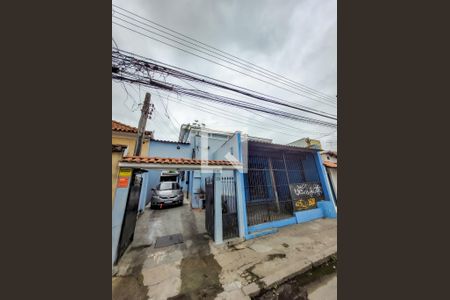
[(293, 38)]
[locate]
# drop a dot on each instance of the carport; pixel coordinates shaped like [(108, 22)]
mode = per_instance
[(125, 212)]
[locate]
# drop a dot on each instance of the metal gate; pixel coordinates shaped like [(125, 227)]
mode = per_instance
[(229, 208), (267, 188), (130, 216), (230, 227), (209, 205)]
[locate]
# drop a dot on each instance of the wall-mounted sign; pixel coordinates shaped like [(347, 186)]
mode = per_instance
[(123, 182), (305, 204), (124, 172)]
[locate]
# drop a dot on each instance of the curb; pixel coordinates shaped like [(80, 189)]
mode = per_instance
[(277, 278)]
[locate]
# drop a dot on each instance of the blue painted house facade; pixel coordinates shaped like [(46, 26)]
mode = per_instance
[(271, 171), (262, 187), (262, 181)]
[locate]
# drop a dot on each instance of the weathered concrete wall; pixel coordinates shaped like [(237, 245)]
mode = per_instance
[(328, 206), (333, 176), (332, 172)]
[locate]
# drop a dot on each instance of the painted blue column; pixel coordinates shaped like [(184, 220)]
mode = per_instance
[(329, 210), (218, 230), (240, 197), (240, 191), (196, 184), (118, 212)]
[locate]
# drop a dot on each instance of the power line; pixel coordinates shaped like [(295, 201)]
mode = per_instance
[(326, 134), (202, 108), (222, 65), (247, 69), (115, 43), (163, 118), (124, 63), (227, 59), (202, 95), (167, 129), (278, 122), (227, 55), (222, 114), (221, 82), (168, 114)]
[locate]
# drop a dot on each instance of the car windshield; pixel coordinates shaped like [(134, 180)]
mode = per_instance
[(164, 186)]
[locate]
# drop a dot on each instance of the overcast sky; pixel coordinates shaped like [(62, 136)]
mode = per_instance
[(294, 38)]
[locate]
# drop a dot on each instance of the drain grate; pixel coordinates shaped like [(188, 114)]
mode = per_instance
[(169, 240)]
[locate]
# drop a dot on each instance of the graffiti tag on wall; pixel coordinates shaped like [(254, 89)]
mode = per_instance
[(306, 194), (306, 190), (305, 204)]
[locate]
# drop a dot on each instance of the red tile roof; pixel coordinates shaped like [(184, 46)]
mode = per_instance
[(177, 161), (117, 126), (330, 164)]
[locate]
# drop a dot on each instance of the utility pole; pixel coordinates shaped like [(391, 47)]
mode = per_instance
[(146, 111)]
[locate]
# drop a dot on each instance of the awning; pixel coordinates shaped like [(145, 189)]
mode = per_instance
[(330, 164), (169, 163)]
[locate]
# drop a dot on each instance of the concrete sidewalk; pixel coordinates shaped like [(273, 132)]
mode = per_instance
[(263, 262), (198, 269)]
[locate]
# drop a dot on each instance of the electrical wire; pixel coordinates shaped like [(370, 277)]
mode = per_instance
[(227, 60), (207, 47), (168, 114), (222, 114), (126, 62), (278, 123), (202, 95), (166, 129), (222, 65), (194, 74)]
